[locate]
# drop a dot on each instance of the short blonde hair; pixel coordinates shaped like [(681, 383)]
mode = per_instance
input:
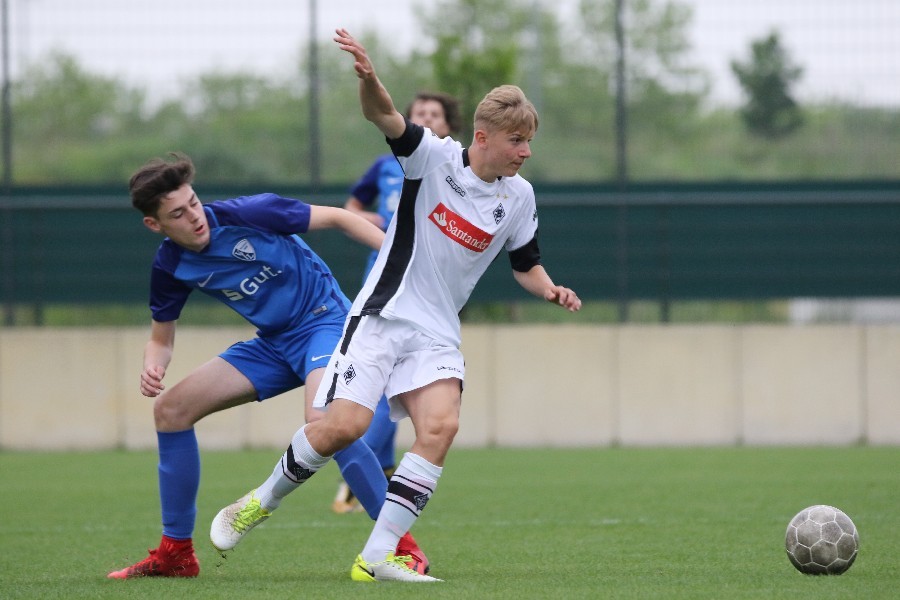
[(505, 108)]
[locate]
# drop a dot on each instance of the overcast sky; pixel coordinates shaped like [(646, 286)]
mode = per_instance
[(850, 49)]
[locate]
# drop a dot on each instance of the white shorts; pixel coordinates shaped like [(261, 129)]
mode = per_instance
[(378, 356)]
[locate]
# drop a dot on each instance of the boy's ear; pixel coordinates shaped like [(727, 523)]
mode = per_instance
[(152, 224)]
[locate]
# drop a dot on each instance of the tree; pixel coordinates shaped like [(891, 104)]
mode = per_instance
[(66, 121), (478, 43), (482, 44), (659, 102), (657, 48), (57, 99), (246, 128), (766, 78)]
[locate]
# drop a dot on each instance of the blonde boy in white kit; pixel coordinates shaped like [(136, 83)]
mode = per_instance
[(458, 209)]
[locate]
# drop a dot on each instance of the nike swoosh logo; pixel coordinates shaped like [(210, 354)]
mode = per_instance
[(205, 281), (315, 358)]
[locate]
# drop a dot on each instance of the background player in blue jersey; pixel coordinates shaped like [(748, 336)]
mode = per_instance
[(375, 197), (245, 253)]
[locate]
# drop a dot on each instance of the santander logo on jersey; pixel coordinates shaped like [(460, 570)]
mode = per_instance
[(459, 230)]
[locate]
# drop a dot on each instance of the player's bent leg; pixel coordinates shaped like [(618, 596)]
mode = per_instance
[(214, 386), (298, 463), (179, 479)]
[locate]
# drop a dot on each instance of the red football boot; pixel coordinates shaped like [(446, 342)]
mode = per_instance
[(408, 547), (173, 558)]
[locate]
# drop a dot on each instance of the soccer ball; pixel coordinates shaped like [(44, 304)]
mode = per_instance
[(821, 540)]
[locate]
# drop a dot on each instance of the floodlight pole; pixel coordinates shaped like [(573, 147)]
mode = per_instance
[(6, 233), (5, 100), (315, 175), (621, 166), (536, 58)]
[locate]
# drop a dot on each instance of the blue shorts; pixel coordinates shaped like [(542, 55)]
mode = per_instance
[(278, 363)]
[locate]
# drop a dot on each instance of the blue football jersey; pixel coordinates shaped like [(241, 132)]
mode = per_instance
[(254, 263), (380, 186), (381, 183)]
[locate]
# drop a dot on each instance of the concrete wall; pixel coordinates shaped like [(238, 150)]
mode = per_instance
[(541, 385)]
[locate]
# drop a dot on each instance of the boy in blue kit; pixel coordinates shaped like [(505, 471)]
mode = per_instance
[(245, 253), (375, 197)]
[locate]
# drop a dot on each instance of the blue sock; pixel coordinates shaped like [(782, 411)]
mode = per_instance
[(361, 471), (179, 480), (381, 434)]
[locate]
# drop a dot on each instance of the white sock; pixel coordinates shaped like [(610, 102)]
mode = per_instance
[(298, 463), (409, 489)]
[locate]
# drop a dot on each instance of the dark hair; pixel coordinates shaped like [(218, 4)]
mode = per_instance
[(157, 178), (451, 108)]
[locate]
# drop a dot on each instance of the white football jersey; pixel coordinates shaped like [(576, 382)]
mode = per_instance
[(448, 228)]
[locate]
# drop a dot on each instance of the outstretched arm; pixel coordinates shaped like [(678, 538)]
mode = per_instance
[(353, 225), (377, 105), (536, 281)]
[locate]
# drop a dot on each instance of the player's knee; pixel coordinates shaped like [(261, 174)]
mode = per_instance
[(450, 427), (342, 431), (314, 414), (169, 414), (434, 436), (443, 428), (349, 431)]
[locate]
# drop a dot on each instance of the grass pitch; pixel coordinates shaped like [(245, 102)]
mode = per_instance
[(562, 524)]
